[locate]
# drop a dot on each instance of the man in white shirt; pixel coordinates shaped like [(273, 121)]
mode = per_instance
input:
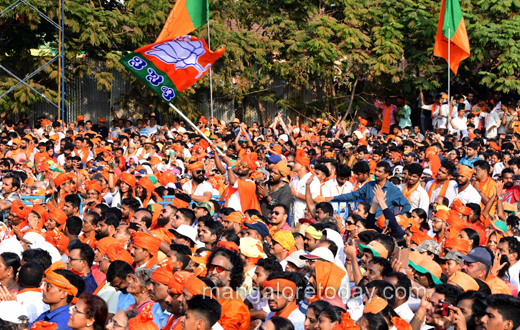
[(30, 295), (413, 191), (459, 124), (442, 178), (299, 184), (153, 127), (493, 121), (338, 186), (510, 247), (464, 190), (440, 112), (198, 188)]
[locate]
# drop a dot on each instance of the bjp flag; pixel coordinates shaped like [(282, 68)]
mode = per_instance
[(186, 16), (451, 27)]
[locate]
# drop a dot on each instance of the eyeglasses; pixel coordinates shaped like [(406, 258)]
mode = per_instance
[(73, 310), (242, 165), (74, 259), (219, 269), (274, 212), (200, 172), (118, 287)]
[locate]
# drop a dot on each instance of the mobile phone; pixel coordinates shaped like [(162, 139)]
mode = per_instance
[(445, 308), (404, 254), (133, 225), (350, 241)]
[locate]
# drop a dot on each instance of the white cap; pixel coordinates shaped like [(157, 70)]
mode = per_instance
[(284, 137), (34, 238), (11, 311), (11, 245), (186, 231), (319, 253), (295, 258), (358, 134)]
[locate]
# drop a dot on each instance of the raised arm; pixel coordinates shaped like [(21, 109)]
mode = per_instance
[(308, 196)]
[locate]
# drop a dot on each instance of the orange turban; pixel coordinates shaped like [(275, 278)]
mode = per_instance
[(328, 277), (177, 281), (281, 285), (455, 221), (495, 146), (58, 215), (61, 179), (203, 120), (237, 217), (93, 184), (250, 162), (192, 167), (59, 240), (375, 305), (301, 158), (180, 204), (458, 244), (465, 171), (231, 246), (458, 206), (143, 321), (162, 275), (277, 148), (44, 325), (128, 179), (20, 210), (498, 286), (146, 183), (117, 252), (103, 244), (42, 212), (286, 239), (165, 178), (147, 242), (442, 214), (397, 155), (59, 281), (362, 121), (282, 168), (195, 286), (419, 237), (466, 282)]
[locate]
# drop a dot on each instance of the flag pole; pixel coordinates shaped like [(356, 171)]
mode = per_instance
[(449, 69), (210, 84), (194, 126)]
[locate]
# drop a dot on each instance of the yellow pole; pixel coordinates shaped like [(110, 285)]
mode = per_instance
[(59, 67)]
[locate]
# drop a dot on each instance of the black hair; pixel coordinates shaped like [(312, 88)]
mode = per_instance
[(318, 306), (375, 321), (387, 242), (74, 200), (214, 227), (285, 208), (367, 236), (323, 168), (231, 237), (181, 253), (297, 278), (86, 252), (343, 171), (188, 214), (132, 203), (103, 208), (205, 218), (333, 313), (450, 292), (507, 306), (475, 208), (30, 275), (269, 265), (16, 180), (449, 166), (326, 208), (384, 263), (482, 164), (119, 269), (95, 217), (236, 266), (109, 219), (226, 211), (382, 289), (281, 323), (74, 280), (479, 305), (386, 167), (404, 285), (74, 224), (331, 246), (473, 235), (483, 287), (423, 216), (11, 259), (40, 256), (415, 168), (208, 308)]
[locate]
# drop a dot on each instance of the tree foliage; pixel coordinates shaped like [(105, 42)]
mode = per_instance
[(384, 47)]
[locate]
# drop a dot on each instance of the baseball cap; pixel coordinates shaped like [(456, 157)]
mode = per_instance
[(428, 246), (479, 254), (319, 253), (203, 205), (428, 266), (347, 145), (411, 154), (260, 227), (455, 256), (274, 159), (377, 249), (295, 258), (186, 231)]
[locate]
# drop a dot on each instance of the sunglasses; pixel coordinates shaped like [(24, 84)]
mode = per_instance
[(200, 172), (219, 269), (274, 212), (242, 165)]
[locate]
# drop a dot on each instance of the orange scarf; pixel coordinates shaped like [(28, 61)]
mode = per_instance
[(90, 240), (84, 153), (247, 192), (407, 191), (100, 286), (30, 290), (16, 152), (434, 106), (443, 189), (386, 118), (287, 310)]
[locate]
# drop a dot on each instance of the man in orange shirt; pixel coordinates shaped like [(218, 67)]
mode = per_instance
[(484, 185)]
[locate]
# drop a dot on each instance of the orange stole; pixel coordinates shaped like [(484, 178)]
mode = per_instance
[(386, 118), (235, 314), (444, 188), (488, 187), (247, 192)]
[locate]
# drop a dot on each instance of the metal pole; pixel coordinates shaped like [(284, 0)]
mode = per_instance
[(210, 84), (63, 61), (449, 69), (194, 126)]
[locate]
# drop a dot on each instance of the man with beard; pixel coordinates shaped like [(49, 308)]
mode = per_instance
[(81, 258), (159, 292), (464, 190), (471, 307), (67, 152), (199, 189), (257, 301), (16, 152), (11, 186), (226, 270), (106, 226), (430, 312), (412, 189), (442, 186), (119, 274), (129, 206), (275, 190), (484, 184), (512, 190), (439, 226), (282, 293)]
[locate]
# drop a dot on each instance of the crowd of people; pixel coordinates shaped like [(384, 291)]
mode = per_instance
[(372, 225)]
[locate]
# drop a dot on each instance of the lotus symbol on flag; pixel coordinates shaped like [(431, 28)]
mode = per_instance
[(182, 52)]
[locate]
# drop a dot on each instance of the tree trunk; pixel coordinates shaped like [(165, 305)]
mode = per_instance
[(351, 99)]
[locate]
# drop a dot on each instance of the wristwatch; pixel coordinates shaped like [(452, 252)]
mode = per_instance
[(500, 198)]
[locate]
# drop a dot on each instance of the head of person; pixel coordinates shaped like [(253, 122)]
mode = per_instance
[(383, 170), (40, 256), (278, 323), (501, 313), (443, 292), (106, 226), (510, 247), (184, 216), (90, 312), (415, 171), (370, 321), (30, 275), (119, 275), (281, 290), (481, 170), (329, 318), (464, 174), (202, 314), (478, 262), (264, 267), (71, 205), (120, 319), (61, 286), (473, 305), (9, 265), (179, 256), (225, 268), (81, 258), (313, 313), (311, 238), (140, 281), (279, 214)]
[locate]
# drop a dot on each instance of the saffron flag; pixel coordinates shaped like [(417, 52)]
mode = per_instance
[(452, 27), (169, 67), (186, 16)]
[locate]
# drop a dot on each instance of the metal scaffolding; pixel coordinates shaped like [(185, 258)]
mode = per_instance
[(61, 56)]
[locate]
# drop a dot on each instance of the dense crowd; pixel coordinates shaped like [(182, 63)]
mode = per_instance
[(374, 225)]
